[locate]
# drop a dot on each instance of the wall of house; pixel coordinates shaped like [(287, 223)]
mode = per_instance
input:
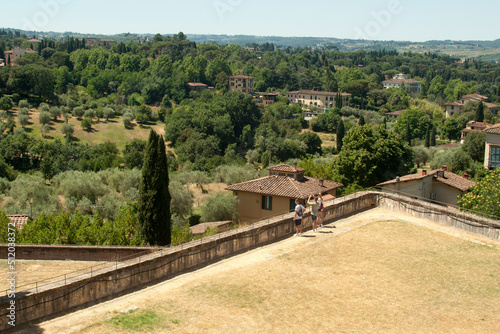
[(250, 207), (418, 188), (445, 193), (491, 139)]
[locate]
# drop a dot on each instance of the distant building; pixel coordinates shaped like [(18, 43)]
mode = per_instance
[(401, 81), (455, 107), (17, 53), (199, 87), (200, 229), (276, 194), (93, 41), (395, 114), (34, 40), (492, 151), (266, 99), (316, 98), (241, 83), (473, 126), (438, 185), (2, 63), (19, 220)]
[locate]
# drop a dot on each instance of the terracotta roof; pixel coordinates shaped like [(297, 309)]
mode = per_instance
[(479, 125), (283, 186), (286, 168), (197, 84), (240, 76), (19, 220), (455, 103), (475, 96), (449, 178), (201, 228), (490, 105), (493, 129), (34, 40)]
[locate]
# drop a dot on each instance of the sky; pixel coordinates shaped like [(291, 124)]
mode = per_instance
[(402, 20)]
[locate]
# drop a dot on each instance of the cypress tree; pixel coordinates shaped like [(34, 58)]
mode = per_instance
[(427, 138), (480, 112), (408, 133), (340, 135), (361, 120), (433, 137), (154, 197)]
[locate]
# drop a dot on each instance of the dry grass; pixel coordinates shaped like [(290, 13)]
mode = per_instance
[(370, 275), (102, 131), (200, 196), (29, 272)]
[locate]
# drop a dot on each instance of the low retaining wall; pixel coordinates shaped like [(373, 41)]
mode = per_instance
[(76, 292), (448, 216), (75, 253), (105, 283)]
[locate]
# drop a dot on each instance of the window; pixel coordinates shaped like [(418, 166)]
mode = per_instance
[(291, 175), (292, 205), (267, 203), (495, 156), (281, 174)]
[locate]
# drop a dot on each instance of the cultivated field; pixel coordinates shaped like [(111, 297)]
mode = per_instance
[(377, 272)]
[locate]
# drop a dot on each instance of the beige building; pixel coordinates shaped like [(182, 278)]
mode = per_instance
[(395, 114), (316, 98), (438, 185), (16, 53), (199, 87), (492, 152), (472, 127), (402, 81), (241, 83), (276, 194), (455, 107)]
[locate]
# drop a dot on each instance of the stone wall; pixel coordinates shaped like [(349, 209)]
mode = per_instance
[(106, 283)]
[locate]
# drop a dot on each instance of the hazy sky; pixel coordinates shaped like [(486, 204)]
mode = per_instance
[(415, 20)]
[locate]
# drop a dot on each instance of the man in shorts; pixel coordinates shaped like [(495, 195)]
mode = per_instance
[(299, 212)]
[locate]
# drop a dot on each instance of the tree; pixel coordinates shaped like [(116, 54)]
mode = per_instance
[(474, 145), (23, 119), (371, 155), (433, 137), (154, 196), (133, 153), (416, 120), (219, 207), (361, 120), (44, 118), (453, 126), (480, 112), (45, 129), (312, 141), (86, 124), (484, 197), (427, 138), (67, 130), (340, 135), (6, 103), (108, 113)]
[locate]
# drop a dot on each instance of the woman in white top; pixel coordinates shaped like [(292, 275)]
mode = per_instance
[(314, 210)]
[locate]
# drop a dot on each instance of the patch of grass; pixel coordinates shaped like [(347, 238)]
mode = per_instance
[(137, 320)]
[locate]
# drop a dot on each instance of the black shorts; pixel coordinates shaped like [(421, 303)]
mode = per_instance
[(298, 222)]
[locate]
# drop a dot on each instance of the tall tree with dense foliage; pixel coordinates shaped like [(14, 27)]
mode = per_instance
[(154, 196), (484, 197), (340, 135), (371, 155), (474, 145), (480, 112)]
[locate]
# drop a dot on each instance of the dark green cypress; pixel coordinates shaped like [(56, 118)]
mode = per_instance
[(427, 138), (340, 135), (361, 120), (154, 197), (433, 137), (480, 112)]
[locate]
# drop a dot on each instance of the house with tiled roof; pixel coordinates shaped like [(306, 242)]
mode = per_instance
[(276, 193), (16, 53), (455, 107), (19, 220), (438, 185), (402, 81), (199, 86), (242, 83), (492, 151), (395, 114), (472, 127), (316, 98)]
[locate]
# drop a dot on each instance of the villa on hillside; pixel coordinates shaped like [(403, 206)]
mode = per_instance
[(241, 83), (456, 106), (199, 87), (492, 151), (315, 98), (16, 53), (276, 193), (395, 114), (438, 185), (472, 127), (402, 81)]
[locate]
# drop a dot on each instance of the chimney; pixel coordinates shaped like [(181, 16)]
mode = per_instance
[(321, 182), (424, 172), (444, 168), (466, 176), (295, 165)]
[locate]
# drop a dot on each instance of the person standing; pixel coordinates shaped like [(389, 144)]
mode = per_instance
[(321, 210), (299, 213), (313, 202)]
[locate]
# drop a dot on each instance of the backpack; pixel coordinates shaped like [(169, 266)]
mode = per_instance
[(300, 211)]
